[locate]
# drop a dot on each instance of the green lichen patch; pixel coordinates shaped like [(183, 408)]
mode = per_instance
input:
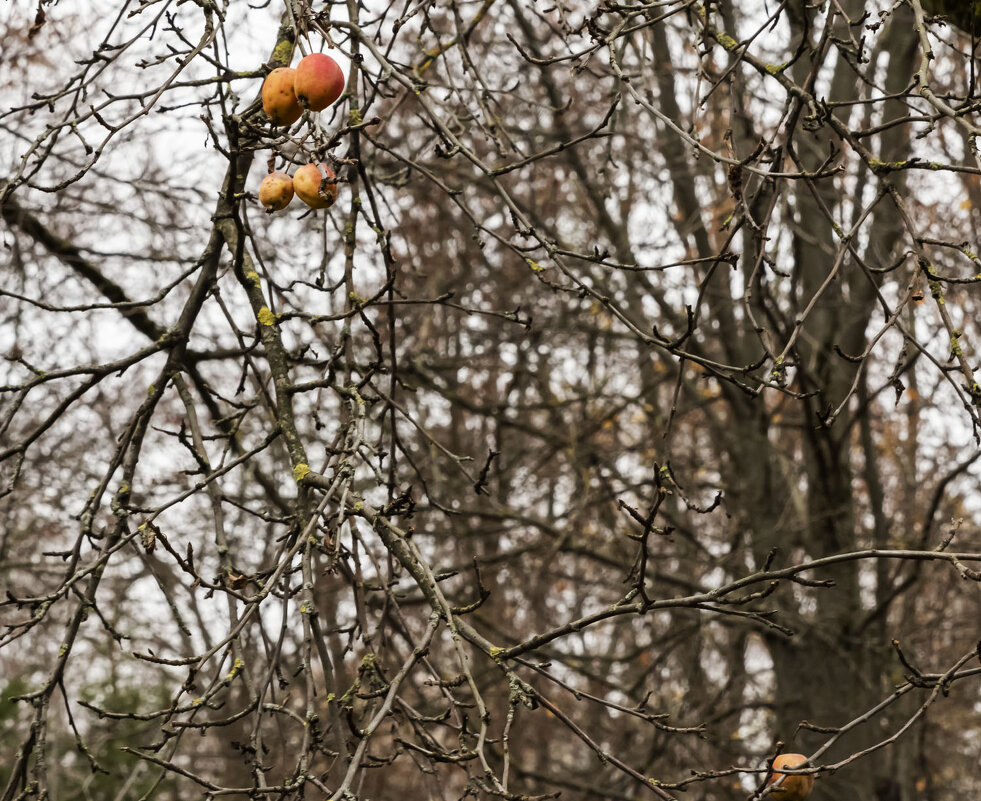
[(728, 42), (300, 471), (283, 53)]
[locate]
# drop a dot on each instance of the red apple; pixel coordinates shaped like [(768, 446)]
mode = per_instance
[(319, 81), (315, 185)]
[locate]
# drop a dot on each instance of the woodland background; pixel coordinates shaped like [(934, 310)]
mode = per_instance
[(616, 429)]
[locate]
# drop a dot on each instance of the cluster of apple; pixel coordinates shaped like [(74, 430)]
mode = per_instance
[(316, 83)]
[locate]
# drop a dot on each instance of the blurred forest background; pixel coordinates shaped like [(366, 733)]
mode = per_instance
[(614, 431)]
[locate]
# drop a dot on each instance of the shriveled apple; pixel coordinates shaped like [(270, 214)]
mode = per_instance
[(792, 788), (319, 81), (278, 98), (315, 185), (276, 191)]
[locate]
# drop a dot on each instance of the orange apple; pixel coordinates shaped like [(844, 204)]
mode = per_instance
[(278, 99), (276, 191), (315, 185), (319, 81), (792, 788)]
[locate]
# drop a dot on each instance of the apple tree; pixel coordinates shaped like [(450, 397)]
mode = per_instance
[(589, 408)]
